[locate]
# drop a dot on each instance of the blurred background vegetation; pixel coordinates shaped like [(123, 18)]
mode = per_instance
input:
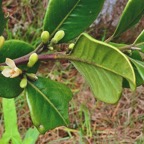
[(91, 121)]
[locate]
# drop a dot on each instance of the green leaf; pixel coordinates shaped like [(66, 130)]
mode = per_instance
[(48, 102), (134, 54), (139, 71), (10, 122), (140, 38), (9, 88), (103, 66), (31, 136), (2, 19), (72, 16), (14, 49), (130, 16), (139, 42)]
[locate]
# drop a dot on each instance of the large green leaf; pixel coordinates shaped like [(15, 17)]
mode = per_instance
[(10, 88), (103, 66), (2, 19), (10, 122), (134, 54), (72, 16), (130, 16), (48, 102)]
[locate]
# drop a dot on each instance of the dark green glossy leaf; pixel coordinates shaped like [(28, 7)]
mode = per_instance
[(130, 16), (14, 49), (103, 66), (72, 16), (48, 102), (10, 88), (2, 19), (11, 134)]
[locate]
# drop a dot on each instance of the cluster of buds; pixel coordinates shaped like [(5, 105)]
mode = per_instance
[(45, 36), (12, 71)]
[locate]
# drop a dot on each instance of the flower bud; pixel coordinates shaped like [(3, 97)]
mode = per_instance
[(2, 39), (71, 46), (23, 82), (32, 76), (32, 60), (51, 48), (45, 36), (58, 36)]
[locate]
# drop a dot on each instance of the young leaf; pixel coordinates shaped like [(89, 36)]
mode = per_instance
[(140, 38), (103, 66), (2, 19), (10, 122), (130, 16), (48, 102), (9, 88), (140, 71), (72, 16), (31, 136), (139, 42)]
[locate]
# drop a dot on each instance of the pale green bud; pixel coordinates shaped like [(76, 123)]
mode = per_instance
[(32, 60), (41, 128), (51, 48), (2, 39), (45, 36), (58, 36), (71, 46), (32, 76), (23, 82)]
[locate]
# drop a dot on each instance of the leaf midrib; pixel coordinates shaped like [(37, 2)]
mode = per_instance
[(73, 58), (45, 97), (64, 19)]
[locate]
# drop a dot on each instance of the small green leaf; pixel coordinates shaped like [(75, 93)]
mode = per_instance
[(48, 102), (130, 16), (10, 122), (103, 66), (139, 71), (9, 88), (31, 136), (140, 38), (2, 19), (72, 16), (139, 42)]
